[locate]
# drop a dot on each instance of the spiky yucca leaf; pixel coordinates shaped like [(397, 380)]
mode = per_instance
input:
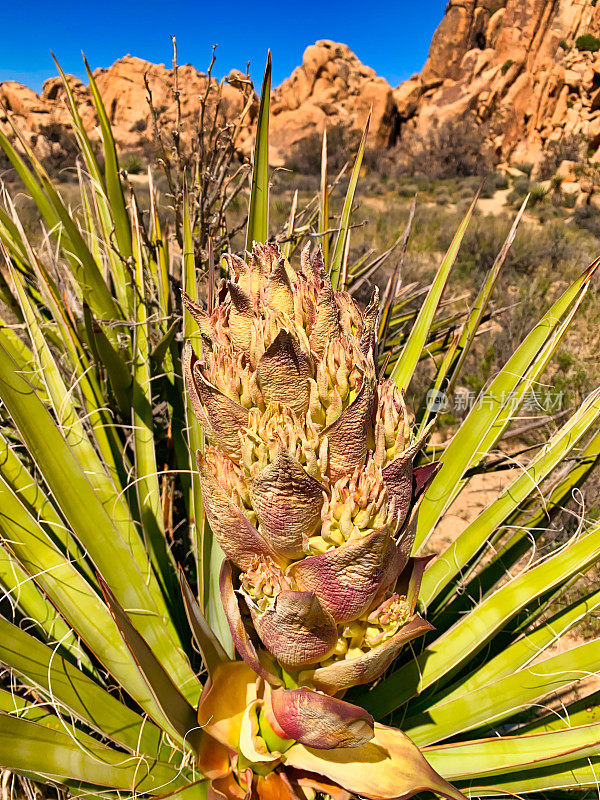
[(99, 498)]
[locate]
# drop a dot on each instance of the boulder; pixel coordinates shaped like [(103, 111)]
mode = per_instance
[(407, 96), (331, 87), (566, 171), (493, 28)]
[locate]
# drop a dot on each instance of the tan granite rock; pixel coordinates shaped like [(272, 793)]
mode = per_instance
[(539, 89), (330, 87)]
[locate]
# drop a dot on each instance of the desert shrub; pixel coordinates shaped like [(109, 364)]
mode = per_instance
[(407, 189), (499, 180), (305, 155), (307, 183), (473, 182), (558, 246), (374, 185), (526, 168), (481, 244), (452, 185), (465, 193), (424, 185), (551, 245), (463, 205), (279, 211), (569, 199), (587, 41), (529, 252), (133, 164), (569, 148), (546, 212), (449, 149), (520, 188), (377, 160), (588, 218), (493, 183), (537, 194)]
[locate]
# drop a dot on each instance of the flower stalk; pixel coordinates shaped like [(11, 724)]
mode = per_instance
[(309, 487)]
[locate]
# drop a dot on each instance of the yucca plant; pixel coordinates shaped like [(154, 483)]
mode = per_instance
[(367, 669)]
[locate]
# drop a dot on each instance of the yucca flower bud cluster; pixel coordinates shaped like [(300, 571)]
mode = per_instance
[(307, 477)]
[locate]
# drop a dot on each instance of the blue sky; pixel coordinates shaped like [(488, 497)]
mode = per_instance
[(393, 38)]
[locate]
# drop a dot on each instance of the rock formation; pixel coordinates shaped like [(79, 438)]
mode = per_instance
[(518, 68), (330, 87), (517, 65), (44, 120)]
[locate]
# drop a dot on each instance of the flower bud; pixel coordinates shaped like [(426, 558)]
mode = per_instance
[(262, 582), (279, 429), (308, 483), (392, 424)]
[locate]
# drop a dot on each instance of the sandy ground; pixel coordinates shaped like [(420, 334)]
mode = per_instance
[(477, 494), (495, 204)]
